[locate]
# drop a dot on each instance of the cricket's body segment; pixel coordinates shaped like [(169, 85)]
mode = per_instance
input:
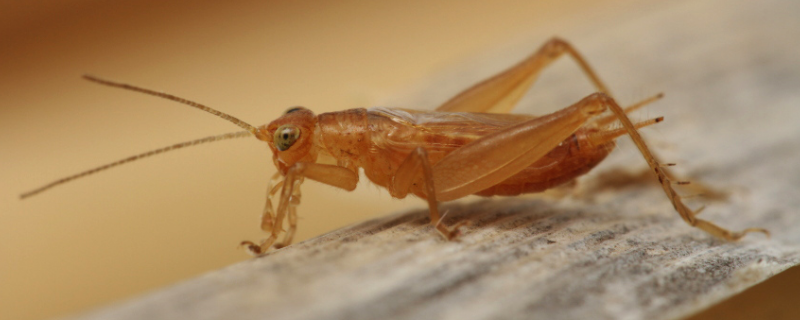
[(469, 145), (382, 138)]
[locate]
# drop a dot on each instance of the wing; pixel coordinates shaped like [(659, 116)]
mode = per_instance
[(402, 130)]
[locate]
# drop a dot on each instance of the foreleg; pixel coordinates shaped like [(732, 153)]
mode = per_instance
[(336, 176), (291, 218)]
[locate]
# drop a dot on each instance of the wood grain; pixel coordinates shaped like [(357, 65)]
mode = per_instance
[(612, 248)]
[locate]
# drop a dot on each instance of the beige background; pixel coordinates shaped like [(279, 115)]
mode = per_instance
[(152, 223)]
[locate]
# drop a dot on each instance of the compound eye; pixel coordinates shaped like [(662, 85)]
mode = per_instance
[(285, 136)]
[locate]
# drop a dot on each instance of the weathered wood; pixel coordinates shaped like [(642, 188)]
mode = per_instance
[(614, 249)]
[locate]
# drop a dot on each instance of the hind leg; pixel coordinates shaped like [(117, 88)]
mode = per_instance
[(501, 92), (687, 214)]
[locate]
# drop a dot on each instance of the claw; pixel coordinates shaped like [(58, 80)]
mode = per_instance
[(741, 234), (455, 231), (251, 248)]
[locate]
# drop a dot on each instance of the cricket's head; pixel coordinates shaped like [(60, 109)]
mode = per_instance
[(291, 138)]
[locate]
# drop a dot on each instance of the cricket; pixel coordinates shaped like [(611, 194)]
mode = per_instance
[(470, 145)]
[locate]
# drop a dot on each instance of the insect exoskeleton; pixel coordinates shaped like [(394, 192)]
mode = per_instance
[(468, 145)]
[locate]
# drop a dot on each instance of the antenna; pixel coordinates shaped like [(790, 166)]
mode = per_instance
[(251, 130), (226, 136), (167, 96)]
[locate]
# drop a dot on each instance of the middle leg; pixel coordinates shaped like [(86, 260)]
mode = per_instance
[(408, 174), (495, 157), (490, 159)]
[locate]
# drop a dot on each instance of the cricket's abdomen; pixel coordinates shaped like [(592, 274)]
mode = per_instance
[(396, 133), (572, 158)]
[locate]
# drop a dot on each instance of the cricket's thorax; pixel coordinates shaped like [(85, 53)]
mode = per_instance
[(344, 135), (395, 133)]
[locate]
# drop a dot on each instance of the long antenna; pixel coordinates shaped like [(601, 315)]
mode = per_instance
[(251, 130), (226, 136), (210, 110)]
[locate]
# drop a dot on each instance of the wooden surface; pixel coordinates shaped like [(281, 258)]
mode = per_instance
[(612, 248)]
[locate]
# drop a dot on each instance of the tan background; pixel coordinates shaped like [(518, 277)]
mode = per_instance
[(161, 220)]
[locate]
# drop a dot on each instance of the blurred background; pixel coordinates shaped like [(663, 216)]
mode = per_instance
[(155, 222)]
